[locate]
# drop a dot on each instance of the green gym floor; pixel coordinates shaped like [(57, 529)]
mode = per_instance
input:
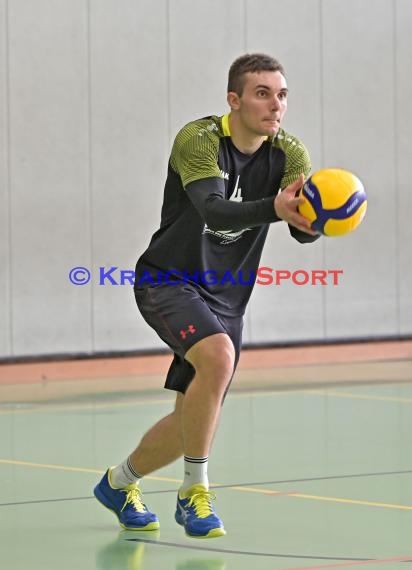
[(307, 476)]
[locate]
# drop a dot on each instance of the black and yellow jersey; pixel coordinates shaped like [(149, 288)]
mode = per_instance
[(217, 246)]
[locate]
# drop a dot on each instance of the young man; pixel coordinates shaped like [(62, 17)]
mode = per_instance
[(195, 279)]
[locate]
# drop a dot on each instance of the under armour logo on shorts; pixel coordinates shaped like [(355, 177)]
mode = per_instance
[(190, 329)]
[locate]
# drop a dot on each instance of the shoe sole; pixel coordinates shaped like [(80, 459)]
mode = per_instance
[(213, 532), (101, 498)]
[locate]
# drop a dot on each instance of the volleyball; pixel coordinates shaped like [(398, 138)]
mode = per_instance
[(334, 201)]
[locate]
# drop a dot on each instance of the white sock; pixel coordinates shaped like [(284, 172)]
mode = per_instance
[(195, 472), (124, 475)]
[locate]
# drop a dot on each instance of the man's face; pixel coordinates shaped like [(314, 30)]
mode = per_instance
[(263, 103)]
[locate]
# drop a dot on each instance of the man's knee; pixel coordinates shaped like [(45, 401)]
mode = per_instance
[(214, 355)]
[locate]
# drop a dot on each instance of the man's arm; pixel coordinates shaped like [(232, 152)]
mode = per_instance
[(208, 197)]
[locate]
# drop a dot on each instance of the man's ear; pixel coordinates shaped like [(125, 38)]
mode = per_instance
[(233, 100)]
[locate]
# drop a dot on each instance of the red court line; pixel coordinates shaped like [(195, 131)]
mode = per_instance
[(357, 563), (144, 365)]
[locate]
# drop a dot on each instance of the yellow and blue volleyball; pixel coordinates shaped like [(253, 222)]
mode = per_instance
[(334, 201)]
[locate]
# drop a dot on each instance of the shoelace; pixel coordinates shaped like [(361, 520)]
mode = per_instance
[(202, 503), (134, 497)]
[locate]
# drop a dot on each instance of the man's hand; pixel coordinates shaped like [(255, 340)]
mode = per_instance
[(286, 206)]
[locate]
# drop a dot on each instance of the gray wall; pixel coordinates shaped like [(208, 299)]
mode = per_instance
[(91, 94)]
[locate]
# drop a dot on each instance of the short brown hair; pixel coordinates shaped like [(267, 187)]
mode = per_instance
[(250, 63)]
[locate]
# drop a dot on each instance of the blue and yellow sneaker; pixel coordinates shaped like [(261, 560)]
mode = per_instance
[(195, 512), (126, 504)]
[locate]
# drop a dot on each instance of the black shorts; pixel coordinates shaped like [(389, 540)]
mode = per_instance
[(181, 317)]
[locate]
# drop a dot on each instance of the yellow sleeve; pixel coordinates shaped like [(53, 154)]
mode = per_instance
[(195, 152), (297, 161)]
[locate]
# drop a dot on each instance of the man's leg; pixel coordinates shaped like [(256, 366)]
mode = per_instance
[(118, 491), (190, 428), (162, 444), (213, 359), (200, 373)]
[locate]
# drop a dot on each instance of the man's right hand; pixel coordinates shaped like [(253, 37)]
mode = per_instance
[(286, 206)]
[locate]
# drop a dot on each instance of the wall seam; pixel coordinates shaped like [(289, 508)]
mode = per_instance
[(396, 167), (9, 297), (168, 75), (90, 171), (322, 151), (245, 20)]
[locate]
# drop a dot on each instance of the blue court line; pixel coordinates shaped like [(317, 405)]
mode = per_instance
[(244, 552), (228, 486), (309, 479)]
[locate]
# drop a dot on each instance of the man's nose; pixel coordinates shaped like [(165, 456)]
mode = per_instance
[(275, 103)]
